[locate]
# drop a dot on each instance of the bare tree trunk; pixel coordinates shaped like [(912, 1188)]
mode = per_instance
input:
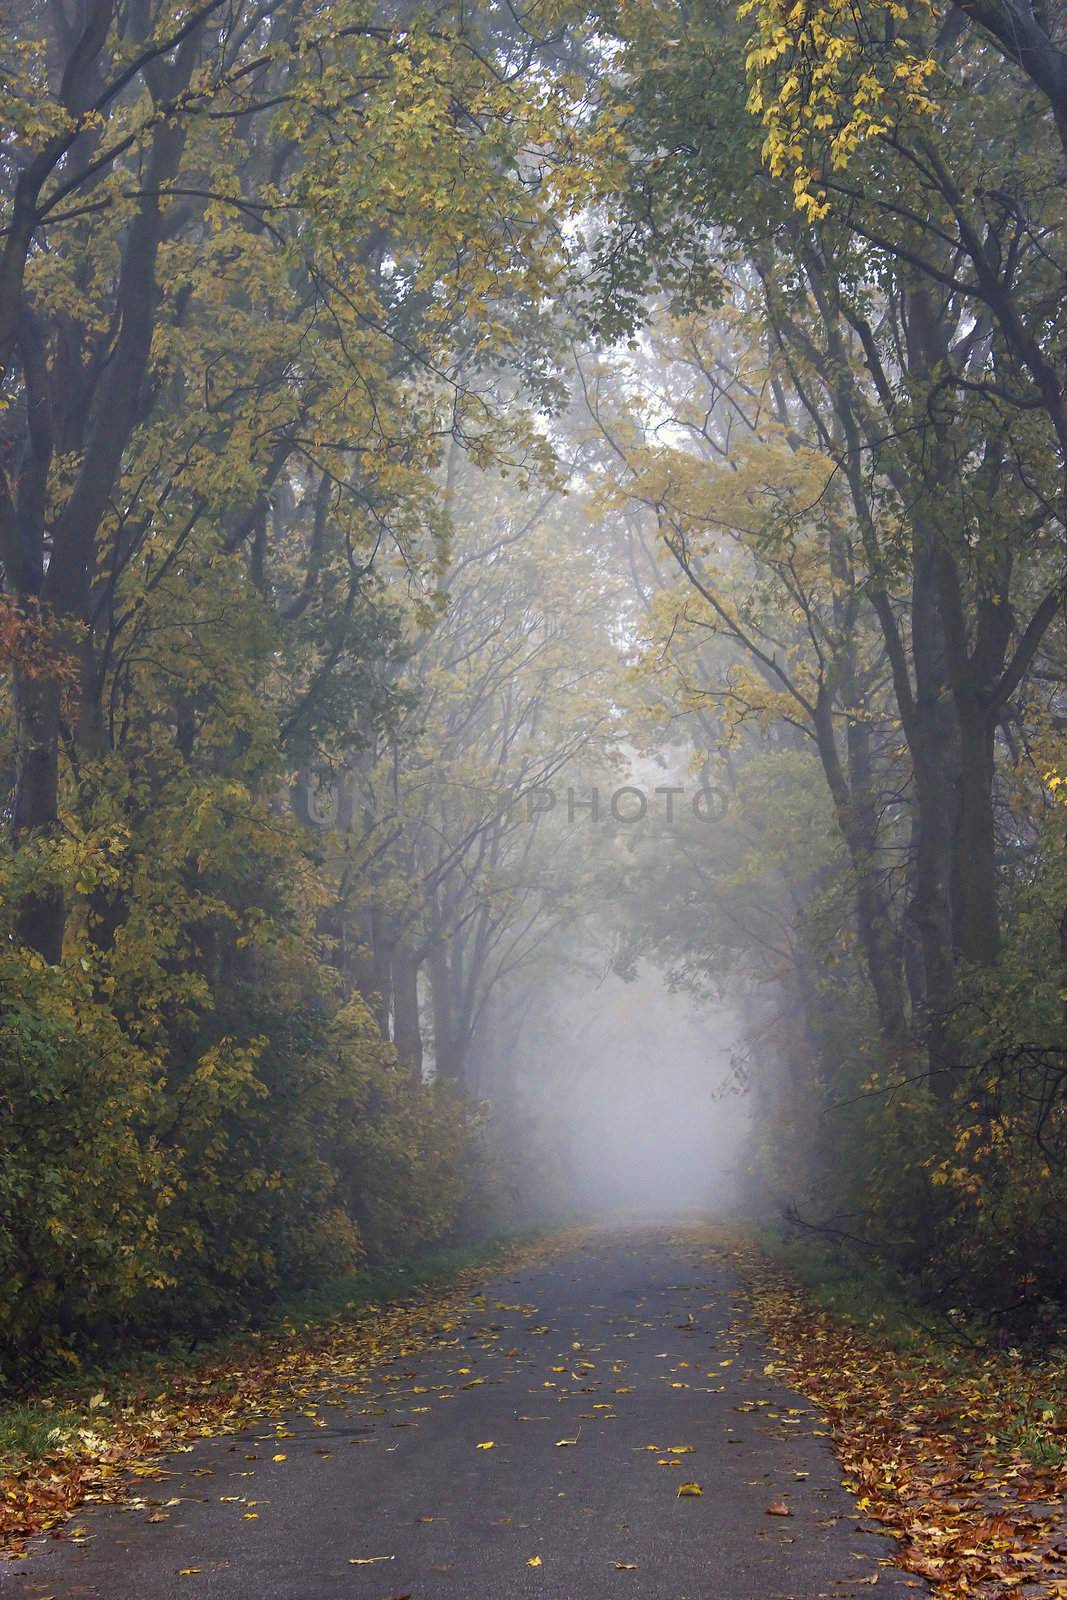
[(933, 741), (448, 1056), (407, 1033), (977, 920), (856, 818)]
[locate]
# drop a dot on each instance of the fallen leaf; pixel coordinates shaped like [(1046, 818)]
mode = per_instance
[(778, 1508), (488, 1445), (534, 1561), (688, 1489)]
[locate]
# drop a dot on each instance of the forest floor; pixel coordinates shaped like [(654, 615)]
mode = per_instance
[(653, 1414)]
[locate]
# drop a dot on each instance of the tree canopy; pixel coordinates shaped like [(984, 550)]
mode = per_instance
[(419, 421)]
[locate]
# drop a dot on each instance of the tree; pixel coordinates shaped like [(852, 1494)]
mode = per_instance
[(169, 173), (450, 869)]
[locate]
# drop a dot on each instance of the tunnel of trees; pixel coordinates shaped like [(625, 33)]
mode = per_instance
[(499, 505)]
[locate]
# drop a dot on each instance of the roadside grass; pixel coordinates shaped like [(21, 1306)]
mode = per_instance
[(1035, 1441), (33, 1430), (1027, 1392), (856, 1292), (372, 1286)]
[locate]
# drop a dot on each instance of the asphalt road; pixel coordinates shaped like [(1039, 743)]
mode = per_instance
[(629, 1348)]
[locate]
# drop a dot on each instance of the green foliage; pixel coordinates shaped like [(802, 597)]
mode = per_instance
[(170, 1182), (82, 1179), (862, 605), (265, 264)]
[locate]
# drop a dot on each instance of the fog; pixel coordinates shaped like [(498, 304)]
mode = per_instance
[(654, 1121), (630, 1104)]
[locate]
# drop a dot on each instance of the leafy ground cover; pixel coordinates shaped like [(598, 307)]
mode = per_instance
[(100, 1438), (960, 1452)]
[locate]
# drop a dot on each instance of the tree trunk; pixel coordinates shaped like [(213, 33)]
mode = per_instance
[(447, 1054), (933, 741), (858, 823), (407, 1034), (976, 918), (36, 808)]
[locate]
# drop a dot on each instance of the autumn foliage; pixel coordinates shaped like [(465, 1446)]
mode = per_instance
[(404, 410), (255, 264)]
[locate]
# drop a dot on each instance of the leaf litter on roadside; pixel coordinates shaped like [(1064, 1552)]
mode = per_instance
[(258, 1379), (929, 1444)]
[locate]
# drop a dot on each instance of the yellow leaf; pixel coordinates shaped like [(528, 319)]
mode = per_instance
[(534, 1561), (688, 1489), (488, 1445)]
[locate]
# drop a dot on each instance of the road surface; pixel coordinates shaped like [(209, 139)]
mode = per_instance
[(536, 1449)]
